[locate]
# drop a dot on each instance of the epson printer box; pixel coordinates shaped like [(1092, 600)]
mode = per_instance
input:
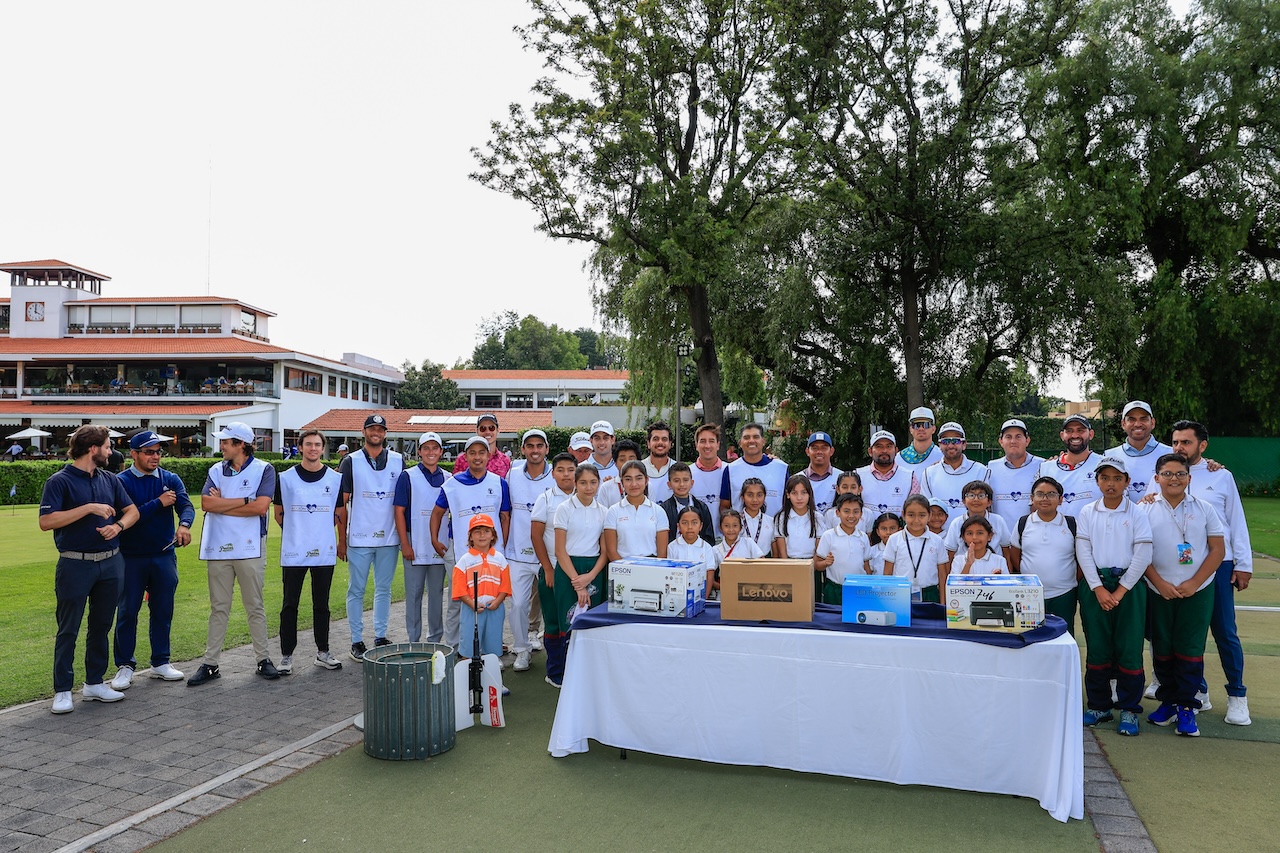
[(876, 600), (1009, 603), (654, 587)]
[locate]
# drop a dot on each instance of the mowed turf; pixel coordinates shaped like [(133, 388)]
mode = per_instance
[(27, 619), (499, 789)]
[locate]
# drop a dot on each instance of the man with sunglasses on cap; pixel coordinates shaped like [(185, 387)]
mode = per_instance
[(1074, 467), (1011, 476), (946, 480), (368, 493), (921, 452), (150, 558), (487, 428)]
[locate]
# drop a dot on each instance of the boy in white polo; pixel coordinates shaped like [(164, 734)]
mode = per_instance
[(1044, 544), (946, 480)]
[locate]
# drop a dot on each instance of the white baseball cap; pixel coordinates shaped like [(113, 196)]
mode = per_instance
[(533, 433), (1014, 422), (1112, 462), (951, 426), (602, 426), (883, 434), (1138, 404), (235, 429), (343, 447), (921, 413), (580, 441), (475, 439), (429, 436)]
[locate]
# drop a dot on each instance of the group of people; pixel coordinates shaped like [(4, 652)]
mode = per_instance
[(538, 535)]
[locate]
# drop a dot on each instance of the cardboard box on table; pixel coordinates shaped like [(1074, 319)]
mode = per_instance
[(1009, 603), (655, 587), (776, 590), (876, 600)]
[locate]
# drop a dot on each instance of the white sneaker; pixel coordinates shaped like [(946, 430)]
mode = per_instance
[(100, 693), (286, 664), (1238, 711), (62, 703), (522, 661), (165, 672), (327, 661), (124, 677), (535, 643), (1205, 704), (1152, 688)]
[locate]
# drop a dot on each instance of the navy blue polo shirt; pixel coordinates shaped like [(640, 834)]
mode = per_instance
[(71, 488)]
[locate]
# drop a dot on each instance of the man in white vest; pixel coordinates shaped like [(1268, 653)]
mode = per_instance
[(425, 570), (1141, 449), (527, 480), (1011, 476), (1074, 467), (821, 473), (946, 480), (368, 490), (312, 527), (886, 483), (236, 499), (708, 471), (754, 463), (602, 441)]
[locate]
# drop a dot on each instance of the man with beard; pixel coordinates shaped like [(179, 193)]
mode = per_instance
[(1074, 467), (659, 460), (885, 483), (754, 463), (87, 508)]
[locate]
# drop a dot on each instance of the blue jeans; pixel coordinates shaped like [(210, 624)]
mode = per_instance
[(1223, 628), (76, 583), (491, 622), (383, 560), (156, 577)]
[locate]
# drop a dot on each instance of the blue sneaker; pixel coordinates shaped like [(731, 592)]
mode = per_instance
[(1187, 722), (1092, 717), (1128, 725), (1163, 715)]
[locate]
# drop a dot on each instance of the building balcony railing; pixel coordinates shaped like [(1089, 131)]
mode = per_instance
[(142, 329), (128, 391)]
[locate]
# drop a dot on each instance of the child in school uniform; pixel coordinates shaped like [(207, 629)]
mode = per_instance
[(978, 557), (680, 482), (1113, 547), (756, 524), (978, 498), (635, 526), (847, 483), (483, 601), (842, 550), (917, 552), (1188, 546), (797, 527), (1044, 545), (732, 544), (886, 524), (690, 545), (938, 517), (580, 576)]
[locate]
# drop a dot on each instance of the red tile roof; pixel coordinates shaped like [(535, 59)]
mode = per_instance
[(536, 374), (30, 409), (351, 421), (19, 266)]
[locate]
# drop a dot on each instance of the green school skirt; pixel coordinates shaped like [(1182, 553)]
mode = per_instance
[(565, 598)]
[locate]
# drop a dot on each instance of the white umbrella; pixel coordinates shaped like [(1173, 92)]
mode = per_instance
[(30, 432), (114, 434)]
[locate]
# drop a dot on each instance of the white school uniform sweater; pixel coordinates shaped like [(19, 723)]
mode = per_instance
[(1219, 489)]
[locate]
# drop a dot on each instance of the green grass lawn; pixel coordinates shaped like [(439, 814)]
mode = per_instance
[(1264, 524), (27, 618)]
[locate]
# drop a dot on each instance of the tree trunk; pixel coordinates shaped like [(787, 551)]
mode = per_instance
[(912, 360), (708, 361)]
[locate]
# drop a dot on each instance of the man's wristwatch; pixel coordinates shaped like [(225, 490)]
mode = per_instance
[(246, 501)]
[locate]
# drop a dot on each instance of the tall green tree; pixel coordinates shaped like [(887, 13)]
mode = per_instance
[(659, 128), (426, 388), (510, 342)]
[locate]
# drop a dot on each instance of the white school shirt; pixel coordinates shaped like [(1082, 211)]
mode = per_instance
[(758, 530), (544, 510), (1219, 489), (865, 523), (947, 484), (1107, 538), (637, 527), (1012, 487), (800, 545), (851, 550), (1000, 536), (706, 488), (744, 549), (1078, 488), (699, 552), (906, 552), (1192, 521), (1048, 552), (308, 536), (610, 491), (659, 491), (1141, 465), (524, 491), (877, 558), (990, 563), (582, 526)]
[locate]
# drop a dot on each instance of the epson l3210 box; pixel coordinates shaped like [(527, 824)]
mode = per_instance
[(1009, 603), (876, 600), (654, 587)]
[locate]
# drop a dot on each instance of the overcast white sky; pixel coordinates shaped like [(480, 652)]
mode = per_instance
[(327, 143)]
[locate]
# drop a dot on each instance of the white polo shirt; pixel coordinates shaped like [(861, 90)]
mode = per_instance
[(1048, 552), (851, 550), (637, 527), (1000, 537), (582, 526), (1191, 522), (990, 563), (916, 557), (1116, 538), (800, 545), (544, 510), (759, 530)]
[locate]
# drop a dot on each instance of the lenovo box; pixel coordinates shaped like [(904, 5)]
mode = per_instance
[(877, 600), (1009, 603), (774, 590), (654, 587)]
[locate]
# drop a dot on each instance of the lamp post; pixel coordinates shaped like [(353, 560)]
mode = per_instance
[(683, 351)]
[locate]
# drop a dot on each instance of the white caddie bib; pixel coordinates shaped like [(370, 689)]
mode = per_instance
[(308, 537), (227, 537), (371, 517)]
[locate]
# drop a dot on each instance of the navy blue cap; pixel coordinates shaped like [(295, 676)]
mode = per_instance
[(146, 438), (820, 436)]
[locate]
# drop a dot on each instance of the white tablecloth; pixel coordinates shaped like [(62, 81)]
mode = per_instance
[(910, 710)]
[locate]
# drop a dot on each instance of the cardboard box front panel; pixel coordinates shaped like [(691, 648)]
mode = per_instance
[(1008, 603), (654, 587), (774, 590), (877, 600)]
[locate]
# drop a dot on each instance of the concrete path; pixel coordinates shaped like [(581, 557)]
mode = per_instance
[(118, 778)]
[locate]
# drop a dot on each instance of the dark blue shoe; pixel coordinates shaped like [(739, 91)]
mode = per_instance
[(1187, 722), (1128, 725), (1092, 717), (1164, 715)]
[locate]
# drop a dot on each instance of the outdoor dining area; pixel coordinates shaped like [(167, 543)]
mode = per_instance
[(149, 380)]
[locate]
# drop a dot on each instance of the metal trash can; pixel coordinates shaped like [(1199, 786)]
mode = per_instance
[(405, 715)]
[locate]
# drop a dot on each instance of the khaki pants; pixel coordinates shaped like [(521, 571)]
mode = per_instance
[(223, 575)]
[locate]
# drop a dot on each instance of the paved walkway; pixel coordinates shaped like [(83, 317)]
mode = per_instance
[(118, 778)]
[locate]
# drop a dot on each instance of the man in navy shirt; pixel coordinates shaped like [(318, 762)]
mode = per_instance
[(150, 558), (87, 508)]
